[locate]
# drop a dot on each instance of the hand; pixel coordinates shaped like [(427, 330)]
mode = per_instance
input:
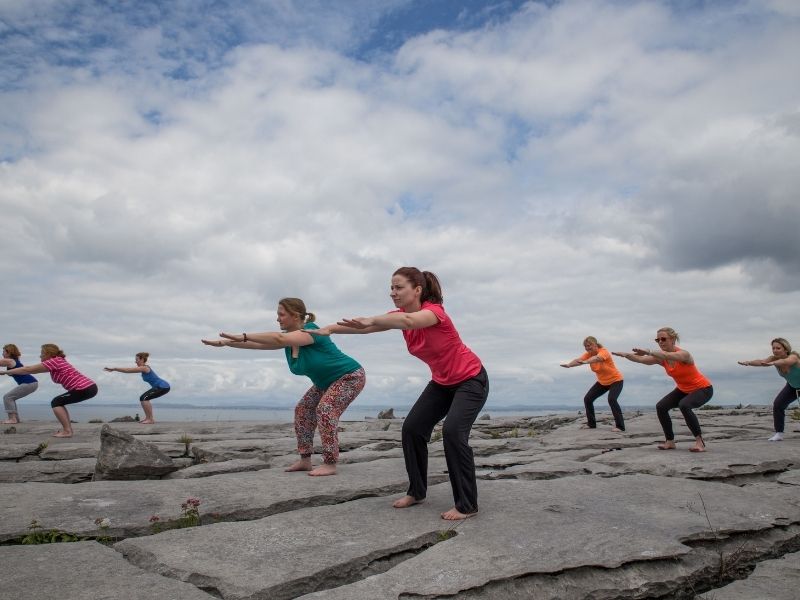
[(232, 336), (215, 343), (622, 354), (565, 365), (109, 369), (357, 323), (641, 352)]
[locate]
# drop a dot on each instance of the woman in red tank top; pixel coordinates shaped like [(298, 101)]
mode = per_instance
[(692, 388)]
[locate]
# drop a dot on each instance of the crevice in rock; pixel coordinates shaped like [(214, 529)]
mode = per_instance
[(711, 564)]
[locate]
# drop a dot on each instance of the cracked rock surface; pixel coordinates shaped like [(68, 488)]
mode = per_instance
[(564, 513)]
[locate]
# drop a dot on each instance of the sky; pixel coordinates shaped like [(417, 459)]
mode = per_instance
[(169, 170)]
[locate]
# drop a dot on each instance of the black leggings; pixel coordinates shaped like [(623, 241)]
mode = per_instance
[(782, 401), (686, 402), (597, 390), (74, 396), (153, 393), (461, 404)]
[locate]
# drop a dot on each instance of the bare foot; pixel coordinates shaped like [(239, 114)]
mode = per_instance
[(668, 445), (10, 422), (616, 429), (585, 426), (146, 422), (406, 501), (323, 470), (62, 434), (698, 447), (304, 464), (456, 515)]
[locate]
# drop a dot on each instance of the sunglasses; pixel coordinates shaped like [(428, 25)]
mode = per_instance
[(662, 339)]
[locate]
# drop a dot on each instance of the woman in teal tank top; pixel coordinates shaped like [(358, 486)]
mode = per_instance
[(787, 363), (337, 380)]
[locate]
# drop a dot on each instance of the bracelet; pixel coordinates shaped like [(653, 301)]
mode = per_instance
[(244, 337)]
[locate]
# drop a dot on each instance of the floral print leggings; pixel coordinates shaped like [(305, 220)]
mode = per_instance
[(323, 409)]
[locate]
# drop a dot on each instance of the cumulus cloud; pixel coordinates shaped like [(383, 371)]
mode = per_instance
[(568, 169)]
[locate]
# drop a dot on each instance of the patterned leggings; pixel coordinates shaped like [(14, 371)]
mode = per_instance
[(323, 409)]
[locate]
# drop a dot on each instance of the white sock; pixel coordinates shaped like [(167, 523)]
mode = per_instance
[(778, 437)]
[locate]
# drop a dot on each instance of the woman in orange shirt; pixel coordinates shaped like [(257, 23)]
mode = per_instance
[(609, 379), (692, 391)]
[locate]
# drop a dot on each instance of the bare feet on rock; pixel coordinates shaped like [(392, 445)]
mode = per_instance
[(62, 434), (10, 422), (304, 464), (323, 470), (406, 501), (146, 422), (617, 430), (668, 445), (456, 515)]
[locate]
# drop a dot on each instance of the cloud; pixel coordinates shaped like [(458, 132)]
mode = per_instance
[(567, 169)]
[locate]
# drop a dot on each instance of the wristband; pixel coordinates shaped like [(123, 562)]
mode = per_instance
[(244, 337)]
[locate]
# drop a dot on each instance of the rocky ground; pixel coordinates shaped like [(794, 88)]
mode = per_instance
[(564, 513)]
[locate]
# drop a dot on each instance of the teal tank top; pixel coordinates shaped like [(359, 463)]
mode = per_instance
[(792, 377), (322, 361)]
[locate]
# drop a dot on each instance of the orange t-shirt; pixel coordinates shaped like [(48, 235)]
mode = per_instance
[(606, 371), (687, 377)]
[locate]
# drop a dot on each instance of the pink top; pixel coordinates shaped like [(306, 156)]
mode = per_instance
[(441, 348), (64, 373)]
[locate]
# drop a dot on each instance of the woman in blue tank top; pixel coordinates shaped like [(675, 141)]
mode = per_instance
[(787, 363), (158, 387), (26, 384)]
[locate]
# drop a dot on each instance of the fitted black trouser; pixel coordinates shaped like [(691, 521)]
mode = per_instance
[(686, 402), (153, 393), (597, 390), (782, 401), (460, 404)]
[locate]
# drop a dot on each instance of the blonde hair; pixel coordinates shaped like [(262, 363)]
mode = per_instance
[(670, 332), (782, 341), (143, 355), (297, 307), (592, 340), (12, 350), (51, 351)]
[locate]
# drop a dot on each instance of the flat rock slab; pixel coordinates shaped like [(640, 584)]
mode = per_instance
[(774, 579), (71, 450), (723, 460), (523, 528), (229, 497), (83, 571), (51, 471), (790, 477), (239, 465)]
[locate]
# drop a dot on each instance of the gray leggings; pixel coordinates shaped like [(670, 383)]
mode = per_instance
[(22, 390)]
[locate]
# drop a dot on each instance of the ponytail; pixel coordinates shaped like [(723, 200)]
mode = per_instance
[(431, 288)]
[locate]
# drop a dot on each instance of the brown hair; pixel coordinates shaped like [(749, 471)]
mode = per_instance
[(670, 332), (51, 351), (782, 341), (297, 307), (143, 355), (12, 350), (592, 340), (431, 288)]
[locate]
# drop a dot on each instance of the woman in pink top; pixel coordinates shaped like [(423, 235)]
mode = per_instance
[(457, 391), (692, 388), (78, 386), (609, 379)]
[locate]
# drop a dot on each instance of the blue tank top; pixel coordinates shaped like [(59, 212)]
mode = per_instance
[(20, 379), (792, 377), (154, 380)]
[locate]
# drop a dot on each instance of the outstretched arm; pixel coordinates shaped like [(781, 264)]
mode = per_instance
[(127, 369), (771, 361), (638, 356), (394, 320), (268, 340), (26, 370), (577, 361), (6, 362)]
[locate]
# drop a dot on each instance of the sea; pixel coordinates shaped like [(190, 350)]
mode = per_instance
[(89, 411)]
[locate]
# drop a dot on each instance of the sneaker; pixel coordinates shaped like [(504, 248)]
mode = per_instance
[(778, 437)]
